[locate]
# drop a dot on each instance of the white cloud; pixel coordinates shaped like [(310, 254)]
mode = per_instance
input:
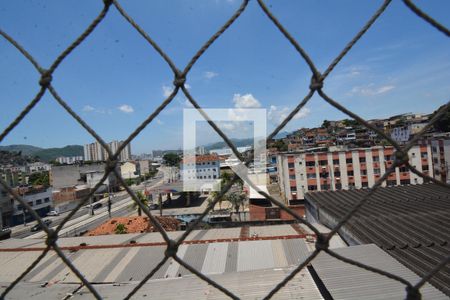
[(167, 90), (126, 108), (277, 114), (88, 108), (210, 74), (245, 101), (371, 90)]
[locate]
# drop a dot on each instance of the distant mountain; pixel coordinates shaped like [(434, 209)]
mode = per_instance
[(26, 150), (236, 142), (281, 135), (45, 154)]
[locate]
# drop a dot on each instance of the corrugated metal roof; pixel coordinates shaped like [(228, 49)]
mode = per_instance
[(345, 281), (246, 285), (411, 223)]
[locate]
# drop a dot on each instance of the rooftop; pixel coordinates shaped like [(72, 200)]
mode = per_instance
[(411, 223)]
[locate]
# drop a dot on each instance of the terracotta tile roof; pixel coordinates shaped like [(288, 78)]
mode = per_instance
[(201, 158)]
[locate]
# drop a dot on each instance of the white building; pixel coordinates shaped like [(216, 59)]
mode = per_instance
[(129, 170), (38, 167), (201, 172), (95, 151), (69, 160), (40, 199)]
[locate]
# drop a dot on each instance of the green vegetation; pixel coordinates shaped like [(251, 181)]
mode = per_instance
[(350, 123), (45, 154), (39, 178), (171, 159), (143, 199), (443, 123), (120, 229)]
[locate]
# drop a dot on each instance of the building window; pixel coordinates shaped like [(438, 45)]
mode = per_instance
[(290, 165), (292, 177), (388, 157), (323, 162), (349, 160), (335, 161), (338, 186), (425, 168), (364, 172), (293, 189), (424, 154), (391, 182), (403, 169), (214, 176), (362, 159), (405, 181), (376, 158), (324, 187), (351, 185), (38, 201), (350, 173), (376, 171), (434, 149), (310, 164), (311, 176), (19, 207), (312, 187), (30, 203), (337, 174), (365, 184), (214, 163)]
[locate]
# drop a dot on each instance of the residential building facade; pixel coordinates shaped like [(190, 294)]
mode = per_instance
[(440, 151), (69, 160), (95, 151), (303, 172), (38, 197)]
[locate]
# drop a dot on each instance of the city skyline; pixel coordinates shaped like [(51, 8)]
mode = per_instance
[(400, 65)]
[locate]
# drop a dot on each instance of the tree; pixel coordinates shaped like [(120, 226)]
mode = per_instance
[(39, 178), (443, 123), (237, 200), (350, 123), (325, 124), (171, 159), (120, 229), (143, 199)]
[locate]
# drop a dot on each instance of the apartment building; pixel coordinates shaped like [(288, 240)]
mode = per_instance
[(440, 151), (95, 151), (200, 172), (69, 160), (320, 170)]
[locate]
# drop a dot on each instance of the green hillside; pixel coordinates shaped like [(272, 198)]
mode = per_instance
[(45, 154)]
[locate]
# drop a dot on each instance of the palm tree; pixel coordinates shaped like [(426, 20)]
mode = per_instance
[(140, 195), (237, 200)]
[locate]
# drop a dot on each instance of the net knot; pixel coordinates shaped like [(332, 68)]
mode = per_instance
[(107, 2), (179, 80), (322, 242), (111, 165), (413, 293), (46, 78), (52, 237), (172, 249), (316, 82), (401, 157)]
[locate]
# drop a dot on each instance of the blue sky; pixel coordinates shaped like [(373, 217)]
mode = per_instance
[(114, 80)]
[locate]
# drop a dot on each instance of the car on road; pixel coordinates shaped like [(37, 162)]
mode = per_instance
[(97, 205), (153, 206), (38, 226), (52, 213)]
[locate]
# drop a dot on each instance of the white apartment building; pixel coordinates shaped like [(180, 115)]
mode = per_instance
[(202, 173), (303, 172), (69, 159), (95, 151)]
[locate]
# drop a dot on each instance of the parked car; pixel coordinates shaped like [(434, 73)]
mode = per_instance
[(5, 233), (53, 213), (38, 226), (96, 205)]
